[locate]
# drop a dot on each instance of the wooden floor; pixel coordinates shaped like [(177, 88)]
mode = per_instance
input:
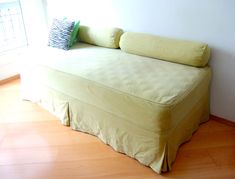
[(33, 144)]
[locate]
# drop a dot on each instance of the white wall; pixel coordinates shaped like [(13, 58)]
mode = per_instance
[(8, 64), (210, 21), (34, 15)]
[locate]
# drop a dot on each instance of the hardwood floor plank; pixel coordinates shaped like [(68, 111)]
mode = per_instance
[(222, 172), (223, 156), (192, 159)]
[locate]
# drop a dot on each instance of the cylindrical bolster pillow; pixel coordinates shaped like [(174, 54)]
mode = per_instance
[(174, 50), (105, 37)]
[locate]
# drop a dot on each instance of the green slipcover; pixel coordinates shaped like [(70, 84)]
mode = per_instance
[(169, 49), (101, 36), (140, 106)]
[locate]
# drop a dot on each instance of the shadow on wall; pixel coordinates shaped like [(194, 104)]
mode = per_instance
[(223, 83)]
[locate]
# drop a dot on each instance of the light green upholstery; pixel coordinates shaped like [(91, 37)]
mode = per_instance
[(174, 50), (143, 107), (104, 37)]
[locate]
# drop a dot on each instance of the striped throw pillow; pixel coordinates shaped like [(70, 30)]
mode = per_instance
[(60, 34)]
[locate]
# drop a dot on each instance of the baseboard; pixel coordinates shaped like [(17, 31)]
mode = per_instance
[(15, 77), (222, 120)]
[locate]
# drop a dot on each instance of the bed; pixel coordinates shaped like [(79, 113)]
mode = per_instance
[(140, 106)]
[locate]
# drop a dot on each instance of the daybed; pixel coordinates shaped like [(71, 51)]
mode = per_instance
[(133, 101)]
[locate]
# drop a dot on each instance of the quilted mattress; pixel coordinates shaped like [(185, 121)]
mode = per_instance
[(141, 106)]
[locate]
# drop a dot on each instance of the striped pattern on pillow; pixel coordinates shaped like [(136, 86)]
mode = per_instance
[(60, 34)]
